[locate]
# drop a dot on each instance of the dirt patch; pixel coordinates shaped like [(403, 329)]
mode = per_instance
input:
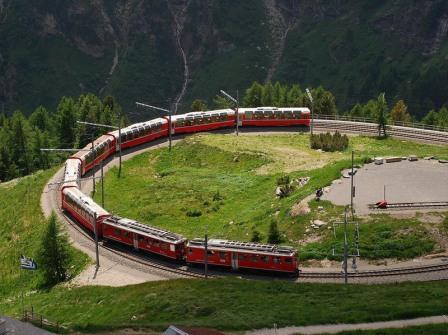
[(300, 208), (431, 218)]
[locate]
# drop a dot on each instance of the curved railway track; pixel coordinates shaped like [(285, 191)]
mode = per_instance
[(354, 127)]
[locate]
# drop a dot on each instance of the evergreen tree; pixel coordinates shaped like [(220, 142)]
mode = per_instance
[(66, 122), (267, 98), (40, 119), (431, 119), (399, 112), (198, 105), (327, 104), (253, 95), (294, 95), (274, 234), (256, 236), (54, 257), (381, 114), (220, 102), (279, 95), (19, 145)]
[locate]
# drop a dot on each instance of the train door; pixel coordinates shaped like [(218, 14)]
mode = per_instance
[(234, 260), (135, 241)]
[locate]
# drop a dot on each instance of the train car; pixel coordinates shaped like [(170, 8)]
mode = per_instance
[(83, 209), (243, 255), (103, 147), (144, 237), (274, 116), (143, 132), (202, 121), (72, 172)]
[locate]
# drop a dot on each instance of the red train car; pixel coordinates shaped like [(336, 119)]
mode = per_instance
[(243, 255), (72, 172), (140, 133), (274, 116), (144, 237), (202, 121), (83, 209), (103, 147)]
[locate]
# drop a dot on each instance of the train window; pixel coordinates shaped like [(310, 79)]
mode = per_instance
[(297, 114), (206, 118), (127, 234), (278, 114), (210, 252), (258, 115), (222, 255), (248, 115), (265, 259), (190, 251), (189, 121), (254, 258), (140, 238), (288, 260), (180, 122), (117, 232), (276, 260), (288, 115), (214, 117), (198, 119), (172, 247), (267, 114), (163, 246), (241, 257)]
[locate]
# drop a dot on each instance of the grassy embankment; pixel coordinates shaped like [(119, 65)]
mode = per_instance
[(234, 304), (437, 329), (225, 185), (21, 227)]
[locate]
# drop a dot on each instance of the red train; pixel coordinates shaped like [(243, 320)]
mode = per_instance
[(229, 254)]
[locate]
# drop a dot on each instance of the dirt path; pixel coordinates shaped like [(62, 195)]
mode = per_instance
[(336, 328)]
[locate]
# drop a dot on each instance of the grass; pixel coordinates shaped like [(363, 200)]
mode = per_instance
[(21, 226), (233, 304), (437, 329), (224, 185)]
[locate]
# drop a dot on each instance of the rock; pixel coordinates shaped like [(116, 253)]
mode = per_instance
[(307, 230), (412, 158), (428, 158), (300, 208), (278, 191), (320, 208), (378, 160), (319, 223)]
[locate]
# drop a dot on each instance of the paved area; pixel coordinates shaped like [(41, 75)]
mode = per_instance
[(336, 328), (423, 180)]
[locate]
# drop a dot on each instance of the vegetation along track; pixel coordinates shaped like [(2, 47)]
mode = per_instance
[(320, 124)]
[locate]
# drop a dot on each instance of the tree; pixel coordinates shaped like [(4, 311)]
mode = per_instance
[(66, 122), (253, 95), (274, 234), (279, 98), (220, 102), (431, 118), (54, 257), (267, 98), (19, 145), (399, 112), (40, 119), (256, 236), (293, 96), (198, 105), (381, 114), (327, 104)]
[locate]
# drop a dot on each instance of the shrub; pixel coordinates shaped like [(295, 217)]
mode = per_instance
[(329, 142), (256, 236), (194, 212), (274, 234), (283, 180)]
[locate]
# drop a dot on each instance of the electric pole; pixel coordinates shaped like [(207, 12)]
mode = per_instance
[(235, 101), (169, 120)]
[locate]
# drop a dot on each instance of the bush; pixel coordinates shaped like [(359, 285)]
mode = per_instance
[(283, 180), (256, 236), (329, 142), (194, 213), (274, 234)]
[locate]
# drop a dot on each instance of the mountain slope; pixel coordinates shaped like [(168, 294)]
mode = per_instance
[(159, 51)]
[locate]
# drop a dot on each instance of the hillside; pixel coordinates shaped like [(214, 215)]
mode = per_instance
[(167, 51)]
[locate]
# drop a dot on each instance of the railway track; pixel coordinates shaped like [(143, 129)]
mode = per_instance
[(362, 128), (405, 205), (378, 273)]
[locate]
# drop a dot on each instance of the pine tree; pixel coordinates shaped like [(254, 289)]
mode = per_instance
[(66, 122), (256, 236), (381, 114), (54, 257), (253, 95), (198, 105), (399, 112), (267, 98), (327, 104), (293, 96), (19, 152), (274, 234), (220, 102)]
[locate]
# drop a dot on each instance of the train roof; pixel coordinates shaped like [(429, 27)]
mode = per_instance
[(243, 246), (144, 230), (139, 125), (72, 171), (85, 202), (302, 109), (96, 143), (227, 111)]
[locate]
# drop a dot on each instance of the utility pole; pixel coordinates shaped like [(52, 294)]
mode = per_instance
[(352, 189), (119, 145), (93, 168), (169, 120), (95, 228), (206, 257), (235, 101), (345, 248), (102, 185), (384, 193), (308, 92)]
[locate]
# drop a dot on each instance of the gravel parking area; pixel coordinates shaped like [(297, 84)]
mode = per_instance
[(405, 181)]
